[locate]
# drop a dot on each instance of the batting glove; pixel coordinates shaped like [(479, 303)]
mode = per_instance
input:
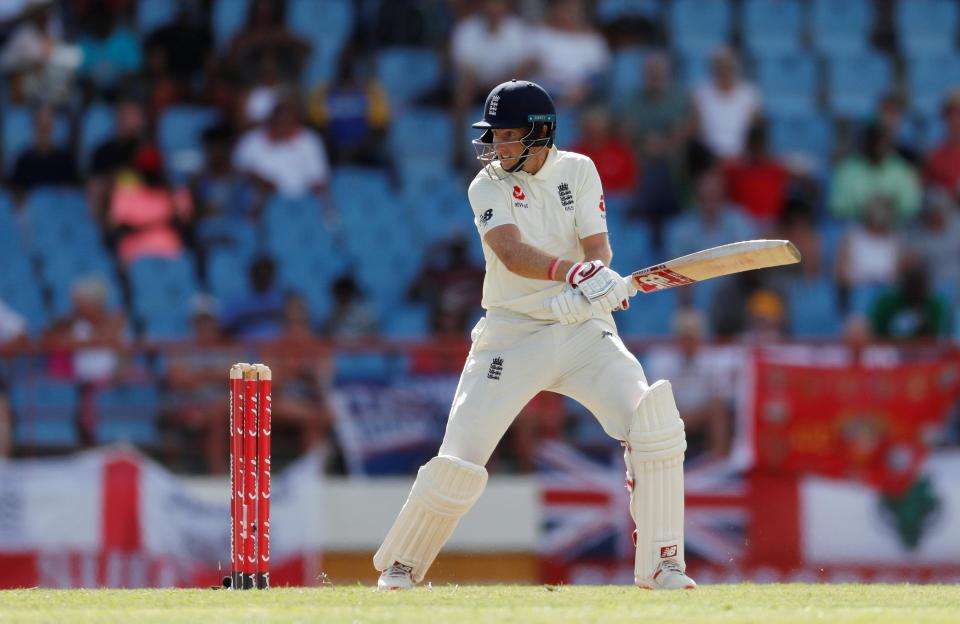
[(601, 285), (569, 307)]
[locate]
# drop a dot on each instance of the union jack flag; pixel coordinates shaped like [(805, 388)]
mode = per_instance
[(586, 514)]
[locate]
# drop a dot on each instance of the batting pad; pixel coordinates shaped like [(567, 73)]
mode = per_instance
[(654, 459), (445, 489)]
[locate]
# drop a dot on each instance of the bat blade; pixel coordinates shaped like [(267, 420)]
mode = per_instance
[(715, 262)]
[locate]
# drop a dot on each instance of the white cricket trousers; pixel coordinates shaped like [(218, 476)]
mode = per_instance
[(510, 362)]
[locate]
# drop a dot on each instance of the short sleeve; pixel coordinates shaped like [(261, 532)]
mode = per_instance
[(591, 212), (489, 205)]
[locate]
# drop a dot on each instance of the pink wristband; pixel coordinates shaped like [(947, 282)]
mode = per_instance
[(552, 271)]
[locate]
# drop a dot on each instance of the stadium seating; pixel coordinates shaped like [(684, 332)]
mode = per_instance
[(228, 18), (161, 289), (926, 27), (609, 11), (626, 75), (649, 316), (407, 321), (369, 367), (928, 80), (96, 126), (699, 27), (19, 287), (695, 67), (407, 73), (803, 139), (179, 132), (788, 81), (18, 133), (863, 297), (772, 26), (856, 83), (154, 14), (813, 310), (841, 26), (45, 413), (127, 413), (421, 140)]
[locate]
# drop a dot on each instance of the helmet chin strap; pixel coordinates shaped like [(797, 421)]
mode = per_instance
[(521, 160)]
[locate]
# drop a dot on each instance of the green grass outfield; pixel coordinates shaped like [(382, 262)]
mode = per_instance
[(764, 604)]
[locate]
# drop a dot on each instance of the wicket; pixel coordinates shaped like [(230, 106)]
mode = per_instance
[(251, 387)]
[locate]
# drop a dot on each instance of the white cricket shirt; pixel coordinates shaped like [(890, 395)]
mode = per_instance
[(553, 208)]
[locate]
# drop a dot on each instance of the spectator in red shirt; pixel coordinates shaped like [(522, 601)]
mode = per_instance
[(943, 163), (757, 180), (613, 157)]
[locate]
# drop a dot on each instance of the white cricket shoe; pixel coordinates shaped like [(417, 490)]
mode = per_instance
[(397, 576), (669, 575)]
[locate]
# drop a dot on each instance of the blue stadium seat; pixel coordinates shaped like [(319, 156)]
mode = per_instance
[(228, 18), (437, 205), (626, 74), (295, 225), (699, 27), (45, 413), (179, 134), (788, 81), (227, 271), (609, 11), (802, 138), (929, 130), (926, 27), (422, 138), (929, 78), (831, 233), (154, 14), (327, 26), (696, 68), (61, 265), (651, 316), (862, 298), (223, 231), (632, 243), (18, 133), (128, 413), (59, 218), (857, 82), (315, 21), (161, 290), (322, 65), (19, 287), (841, 26), (407, 321), (408, 73), (9, 229), (369, 367), (813, 309), (96, 126), (773, 26)]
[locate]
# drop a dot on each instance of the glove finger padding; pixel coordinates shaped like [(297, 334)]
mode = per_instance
[(569, 307), (601, 285)]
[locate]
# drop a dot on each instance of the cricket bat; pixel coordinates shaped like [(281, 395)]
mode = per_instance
[(714, 262)]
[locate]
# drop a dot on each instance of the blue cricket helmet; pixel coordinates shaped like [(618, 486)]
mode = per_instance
[(517, 104)]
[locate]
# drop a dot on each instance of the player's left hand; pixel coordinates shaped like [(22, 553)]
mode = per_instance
[(601, 285), (569, 307)]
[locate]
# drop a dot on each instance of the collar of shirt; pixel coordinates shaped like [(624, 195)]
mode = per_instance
[(544, 172)]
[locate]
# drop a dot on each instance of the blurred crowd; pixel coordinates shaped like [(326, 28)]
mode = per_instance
[(689, 163)]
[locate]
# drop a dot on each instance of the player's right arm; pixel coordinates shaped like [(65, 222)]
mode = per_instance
[(522, 258), (494, 219)]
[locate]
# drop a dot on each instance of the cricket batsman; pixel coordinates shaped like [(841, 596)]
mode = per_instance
[(549, 295)]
